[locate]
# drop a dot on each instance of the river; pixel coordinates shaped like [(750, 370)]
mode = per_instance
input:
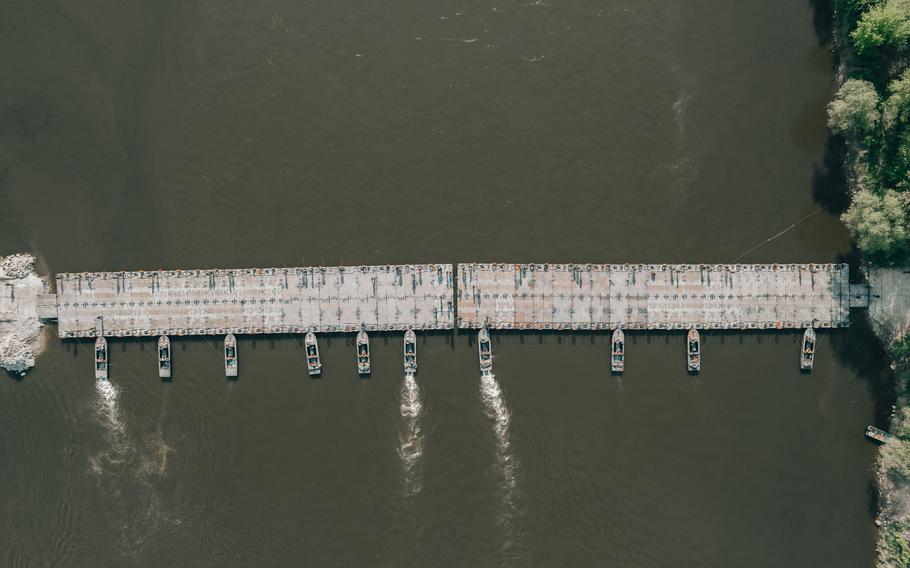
[(235, 134)]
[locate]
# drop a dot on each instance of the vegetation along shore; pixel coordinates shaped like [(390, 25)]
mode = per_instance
[(871, 112)]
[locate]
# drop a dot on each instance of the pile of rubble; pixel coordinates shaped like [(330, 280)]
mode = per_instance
[(16, 355), (16, 265), (20, 328)]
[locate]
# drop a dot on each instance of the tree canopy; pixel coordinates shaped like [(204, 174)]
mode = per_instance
[(879, 222), (854, 110), (884, 24), (897, 105)]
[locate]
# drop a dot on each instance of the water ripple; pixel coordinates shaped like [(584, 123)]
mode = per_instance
[(107, 409), (508, 465), (410, 440), (128, 470)]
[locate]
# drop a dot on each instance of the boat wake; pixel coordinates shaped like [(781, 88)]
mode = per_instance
[(410, 440), (107, 409), (126, 471), (506, 461)]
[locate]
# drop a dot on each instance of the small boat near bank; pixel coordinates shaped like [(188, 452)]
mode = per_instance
[(693, 351), (230, 355), (313, 362), (807, 353), (363, 353), (618, 351), (164, 357), (879, 436), (410, 352), (101, 359), (485, 351)]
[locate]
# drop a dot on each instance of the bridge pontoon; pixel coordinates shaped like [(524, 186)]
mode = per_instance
[(395, 298)]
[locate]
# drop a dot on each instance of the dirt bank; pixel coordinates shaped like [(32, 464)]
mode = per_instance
[(21, 337)]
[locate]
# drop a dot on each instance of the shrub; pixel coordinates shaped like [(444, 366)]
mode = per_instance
[(860, 6), (895, 148), (878, 222), (898, 549), (896, 169), (884, 24), (895, 454), (900, 351), (897, 105), (854, 110), (902, 425)]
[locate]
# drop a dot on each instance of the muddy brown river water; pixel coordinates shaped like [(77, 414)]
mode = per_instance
[(235, 134)]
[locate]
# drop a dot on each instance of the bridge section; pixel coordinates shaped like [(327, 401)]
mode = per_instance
[(653, 296), (251, 301)]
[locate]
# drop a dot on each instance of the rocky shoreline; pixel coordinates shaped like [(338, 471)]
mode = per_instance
[(21, 337)]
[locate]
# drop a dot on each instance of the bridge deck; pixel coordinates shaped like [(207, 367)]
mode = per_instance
[(649, 296), (270, 300), (502, 296)]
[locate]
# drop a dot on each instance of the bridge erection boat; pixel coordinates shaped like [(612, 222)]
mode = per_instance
[(410, 352), (618, 352), (807, 353), (230, 355), (101, 360), (164, 357), (693, 351), (363, 353), (485, 352), (313, 363)]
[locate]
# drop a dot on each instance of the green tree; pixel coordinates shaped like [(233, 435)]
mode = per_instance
[(895, 156), (885, 24), (896, 163), (900, 352), (897, 105), (854, 110), (857, 7), (878, 222)]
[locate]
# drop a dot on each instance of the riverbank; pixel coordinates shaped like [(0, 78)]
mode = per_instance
[(871, 112), (889, 316), (21, 338)]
